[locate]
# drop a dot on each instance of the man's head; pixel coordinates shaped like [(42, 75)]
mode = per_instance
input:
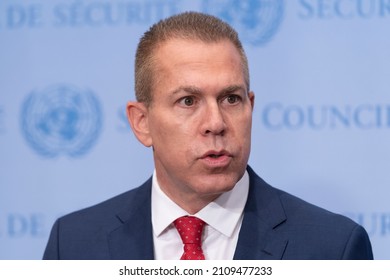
[(189, 26), (198, 117)]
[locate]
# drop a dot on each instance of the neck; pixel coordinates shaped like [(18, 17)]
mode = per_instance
[(191, 203)]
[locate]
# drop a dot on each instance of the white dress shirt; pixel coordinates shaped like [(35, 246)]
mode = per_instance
[(223, 217)]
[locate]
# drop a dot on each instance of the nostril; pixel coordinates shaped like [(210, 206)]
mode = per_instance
[(221, 133)]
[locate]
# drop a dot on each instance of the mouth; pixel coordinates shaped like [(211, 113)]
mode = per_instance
[(216, 154), (216, 158)]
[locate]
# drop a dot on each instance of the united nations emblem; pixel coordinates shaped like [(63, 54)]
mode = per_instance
[(61, 120), (255, 20)]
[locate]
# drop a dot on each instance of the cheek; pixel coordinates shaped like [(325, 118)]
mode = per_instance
[(169, 133), (243, 123), (244, 131)]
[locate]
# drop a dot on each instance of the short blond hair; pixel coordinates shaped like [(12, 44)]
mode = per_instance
[(187, 25)]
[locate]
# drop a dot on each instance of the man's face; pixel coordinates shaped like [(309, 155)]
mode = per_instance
[(200, 119)]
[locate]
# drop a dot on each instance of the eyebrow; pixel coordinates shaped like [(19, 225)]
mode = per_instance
[(198, 91), (234, 88), (188, 89)]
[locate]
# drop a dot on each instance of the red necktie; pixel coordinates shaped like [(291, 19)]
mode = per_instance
[(190, 230)]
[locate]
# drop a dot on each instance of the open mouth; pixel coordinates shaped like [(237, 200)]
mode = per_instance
[(214, 156), (217, 159)]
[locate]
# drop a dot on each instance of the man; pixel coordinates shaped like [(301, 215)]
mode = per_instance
[(194, 108)]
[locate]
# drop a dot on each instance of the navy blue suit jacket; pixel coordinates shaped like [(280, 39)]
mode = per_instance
[(276, 225)]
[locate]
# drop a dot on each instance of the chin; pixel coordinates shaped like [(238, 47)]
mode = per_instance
[(218, 184)]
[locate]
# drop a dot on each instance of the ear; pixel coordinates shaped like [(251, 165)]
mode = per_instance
[(137, 114), (252, 99)]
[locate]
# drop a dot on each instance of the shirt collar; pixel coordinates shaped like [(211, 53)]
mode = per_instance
[(223, 214)]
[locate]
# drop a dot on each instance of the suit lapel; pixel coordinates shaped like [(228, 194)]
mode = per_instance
[(263, 214), (259, 238), (133, 239)]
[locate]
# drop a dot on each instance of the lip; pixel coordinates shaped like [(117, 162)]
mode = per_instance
[(216, 159)]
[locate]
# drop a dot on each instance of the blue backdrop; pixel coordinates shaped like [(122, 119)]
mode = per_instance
[(320, 70)]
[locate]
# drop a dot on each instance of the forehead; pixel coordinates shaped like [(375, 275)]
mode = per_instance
[(180, 59), (186, 50)]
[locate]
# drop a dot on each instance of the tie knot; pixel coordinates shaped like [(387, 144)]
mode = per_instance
[(190, 230)]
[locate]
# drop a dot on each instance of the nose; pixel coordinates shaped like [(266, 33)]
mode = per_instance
[(213, 121)]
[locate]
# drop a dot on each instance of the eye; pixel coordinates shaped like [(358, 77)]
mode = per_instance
[(232, 99), (187, 101)]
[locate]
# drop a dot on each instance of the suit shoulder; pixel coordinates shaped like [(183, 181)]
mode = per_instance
[(125, 202), (296, 210), (334, 236), (311, 231), (302, 211), (85, 234)]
